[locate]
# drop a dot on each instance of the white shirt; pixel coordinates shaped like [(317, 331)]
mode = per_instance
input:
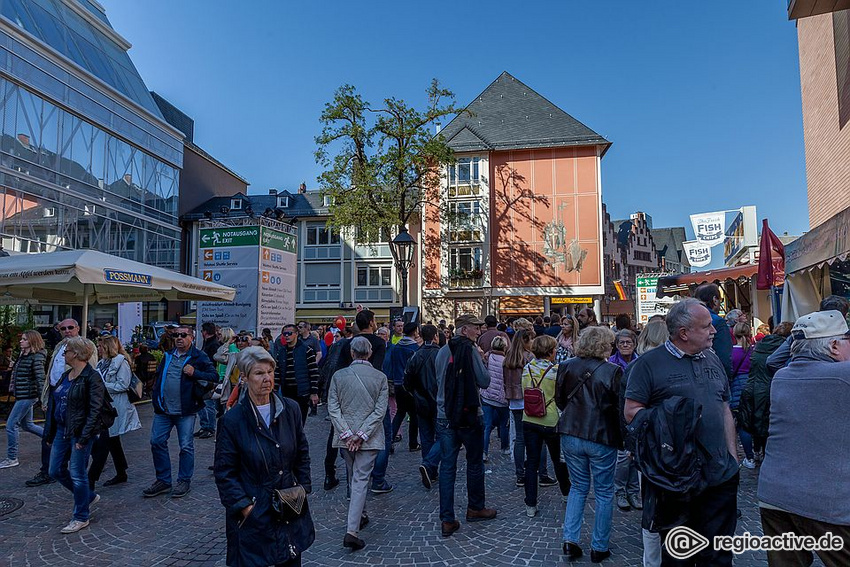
[(265, 412), (58, 368)]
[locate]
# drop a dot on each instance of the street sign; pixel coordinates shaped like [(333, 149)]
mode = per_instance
[(647, 303), (260, 263)]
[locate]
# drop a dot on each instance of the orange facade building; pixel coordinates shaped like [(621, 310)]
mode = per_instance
[(519, 227)]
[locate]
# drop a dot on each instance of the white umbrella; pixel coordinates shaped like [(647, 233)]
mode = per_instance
[(87, 276)]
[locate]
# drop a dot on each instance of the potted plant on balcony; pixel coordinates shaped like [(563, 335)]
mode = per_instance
[(465, 278)]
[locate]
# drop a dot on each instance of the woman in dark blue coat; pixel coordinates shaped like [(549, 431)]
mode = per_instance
[(261, 447)]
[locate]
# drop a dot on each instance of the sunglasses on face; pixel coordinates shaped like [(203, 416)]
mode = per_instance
[(180, 335), (67, 328), (288, 333)]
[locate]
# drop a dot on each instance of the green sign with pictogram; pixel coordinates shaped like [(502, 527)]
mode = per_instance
[(278, 240), (221, 237)]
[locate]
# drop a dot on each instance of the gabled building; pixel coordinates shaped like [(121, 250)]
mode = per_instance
[(519, 229), (671, 254)]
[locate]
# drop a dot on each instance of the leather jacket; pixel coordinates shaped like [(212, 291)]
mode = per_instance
[(593, 412), (85, 404), (420, 380)]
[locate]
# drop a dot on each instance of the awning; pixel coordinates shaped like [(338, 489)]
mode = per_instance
[(670, 285), (821, 246)]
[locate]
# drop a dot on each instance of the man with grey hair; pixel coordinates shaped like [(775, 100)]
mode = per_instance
[(689, 368), (460, 374), (357, 404), (807, 433)]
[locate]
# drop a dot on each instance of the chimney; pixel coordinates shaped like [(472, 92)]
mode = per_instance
[(438, 126), (24, 140), (302, 188), (272, 191)]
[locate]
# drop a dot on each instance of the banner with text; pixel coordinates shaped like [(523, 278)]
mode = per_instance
[(699, 253), (648, 304), (709, 228)]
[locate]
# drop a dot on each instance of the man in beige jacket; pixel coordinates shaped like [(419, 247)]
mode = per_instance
[(357, 402), (68, 328)]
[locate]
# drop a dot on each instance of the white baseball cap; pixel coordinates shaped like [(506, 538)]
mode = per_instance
[(819, 325)]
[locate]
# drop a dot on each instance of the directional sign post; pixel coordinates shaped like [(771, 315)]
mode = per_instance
[(260, 263)]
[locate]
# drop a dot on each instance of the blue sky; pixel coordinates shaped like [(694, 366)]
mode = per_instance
[(701, 100)]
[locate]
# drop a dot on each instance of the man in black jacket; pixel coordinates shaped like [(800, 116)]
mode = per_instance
[(420, 381), (297, 371), (207, 415), (183, 377)]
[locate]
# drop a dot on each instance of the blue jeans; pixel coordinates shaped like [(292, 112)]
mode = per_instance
[(519, 448), (472, 438), (586, 459), (379, 473), (20, 417), (208, 414), (495, 416), (160, 432), (746, 440), (429, 433), (69, 466)]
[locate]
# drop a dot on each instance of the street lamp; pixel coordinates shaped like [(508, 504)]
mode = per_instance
[(403, 247)]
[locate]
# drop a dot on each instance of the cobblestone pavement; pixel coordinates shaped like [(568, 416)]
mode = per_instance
[(127, 529)]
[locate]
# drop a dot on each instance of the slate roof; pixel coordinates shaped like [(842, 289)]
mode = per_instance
[(668, 242), (301, 205), (510, 115)]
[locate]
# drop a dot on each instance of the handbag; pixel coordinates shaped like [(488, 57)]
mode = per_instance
[(135, 391), (289, 503)]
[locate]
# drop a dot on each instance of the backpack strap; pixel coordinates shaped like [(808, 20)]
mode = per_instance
[(584, 378)]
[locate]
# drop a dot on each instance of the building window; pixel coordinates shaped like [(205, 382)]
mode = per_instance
[(374, 276), (465, 263), (320, 235), (327, 200), (465, 221), (283, 202), (236, 204), (49, 212), (464, 177)]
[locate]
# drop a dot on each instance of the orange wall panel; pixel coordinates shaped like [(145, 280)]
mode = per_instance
[(586, 174)]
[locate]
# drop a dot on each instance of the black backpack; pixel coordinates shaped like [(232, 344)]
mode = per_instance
[(663, 442)]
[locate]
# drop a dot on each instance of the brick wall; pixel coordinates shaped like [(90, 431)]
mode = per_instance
[(827, 146)]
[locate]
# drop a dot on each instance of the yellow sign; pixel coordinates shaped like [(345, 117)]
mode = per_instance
[(567, 300)]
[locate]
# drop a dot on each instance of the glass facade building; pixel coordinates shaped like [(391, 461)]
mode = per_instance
[(86, 158)]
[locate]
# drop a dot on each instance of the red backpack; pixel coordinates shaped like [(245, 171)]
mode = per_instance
[(534, 398)]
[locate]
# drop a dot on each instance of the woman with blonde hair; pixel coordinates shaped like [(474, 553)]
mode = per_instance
[(538, 422), (588, 393), (742, 351), (114, 368), (517, 356), (75, 407), (27, 381)]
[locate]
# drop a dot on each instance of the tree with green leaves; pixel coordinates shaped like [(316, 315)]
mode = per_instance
[(381, 164)]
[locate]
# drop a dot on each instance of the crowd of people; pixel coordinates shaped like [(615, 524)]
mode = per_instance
[(590, 403)]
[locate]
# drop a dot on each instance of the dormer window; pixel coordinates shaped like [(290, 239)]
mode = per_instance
[(283, 201), (327, 200), (236, 204)]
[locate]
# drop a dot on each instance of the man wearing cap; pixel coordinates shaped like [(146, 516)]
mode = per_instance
[(686, 366), (460, 374), (803, 484), (486, 338)]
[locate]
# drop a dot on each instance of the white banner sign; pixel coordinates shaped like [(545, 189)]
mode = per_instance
[(129, 317), (699, 253), (709, 228)]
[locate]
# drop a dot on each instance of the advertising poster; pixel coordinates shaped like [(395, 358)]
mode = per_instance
[(129, 317)]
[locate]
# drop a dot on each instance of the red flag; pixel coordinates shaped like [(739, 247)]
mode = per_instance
[(771, 259)]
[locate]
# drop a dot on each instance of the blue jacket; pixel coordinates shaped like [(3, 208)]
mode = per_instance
[(191, 390), (722, 342), (251, 460), (397, 358)]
